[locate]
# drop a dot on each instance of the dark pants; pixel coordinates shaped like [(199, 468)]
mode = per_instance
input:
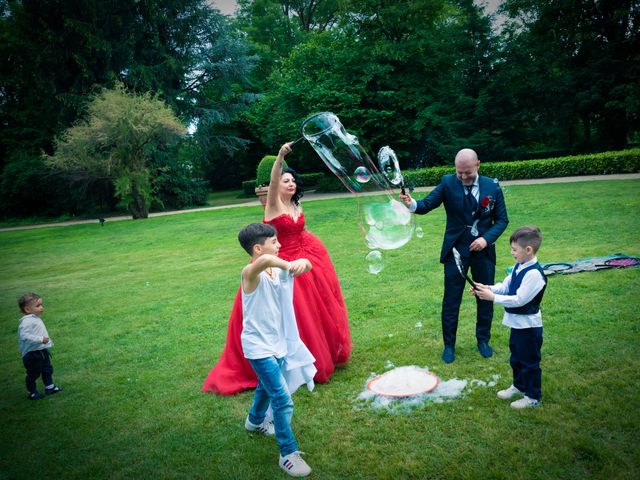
[(483, 271), (525, 345), (38, 363)]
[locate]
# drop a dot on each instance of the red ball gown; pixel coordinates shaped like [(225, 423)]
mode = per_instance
[(321, 314)]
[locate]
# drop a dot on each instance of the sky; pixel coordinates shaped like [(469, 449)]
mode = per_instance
[(228, 6), (225, 6)]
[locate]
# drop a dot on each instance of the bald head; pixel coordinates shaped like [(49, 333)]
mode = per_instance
[(467, 164), (466, 155)]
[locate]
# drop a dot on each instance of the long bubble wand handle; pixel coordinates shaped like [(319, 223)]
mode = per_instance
[(297, 142), (458, 260)]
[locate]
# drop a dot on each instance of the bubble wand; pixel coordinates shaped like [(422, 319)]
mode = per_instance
[(458, 260), (385, 222), (296, 142), (389, 166)]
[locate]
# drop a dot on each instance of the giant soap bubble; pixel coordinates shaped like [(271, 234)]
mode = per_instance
[(386, 223)]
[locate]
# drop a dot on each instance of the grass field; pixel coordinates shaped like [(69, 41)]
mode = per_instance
[(228, 197), (138, 313)]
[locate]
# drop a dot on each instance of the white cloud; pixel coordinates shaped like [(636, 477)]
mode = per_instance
[(226, 7)]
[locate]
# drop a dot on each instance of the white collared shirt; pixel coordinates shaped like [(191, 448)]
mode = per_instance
[(531, 285)]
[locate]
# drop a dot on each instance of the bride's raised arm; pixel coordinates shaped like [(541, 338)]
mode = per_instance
[(273, 200)]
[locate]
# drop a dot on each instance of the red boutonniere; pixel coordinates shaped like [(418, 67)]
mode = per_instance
[(487, 203)]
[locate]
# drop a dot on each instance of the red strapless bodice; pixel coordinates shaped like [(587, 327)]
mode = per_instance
[(295, 240)]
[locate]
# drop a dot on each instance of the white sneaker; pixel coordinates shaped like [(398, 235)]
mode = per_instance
[(525, 402), (294, 465), (266, 428), (509, 393)]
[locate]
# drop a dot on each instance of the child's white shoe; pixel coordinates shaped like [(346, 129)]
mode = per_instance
[(294, 465), (525, 402), (509, 393), (265, 428)]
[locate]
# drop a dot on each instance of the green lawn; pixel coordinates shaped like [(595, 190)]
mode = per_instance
[(228, 197), (138, 313)]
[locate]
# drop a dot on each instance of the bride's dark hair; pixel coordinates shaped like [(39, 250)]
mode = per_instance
[(298, 179)]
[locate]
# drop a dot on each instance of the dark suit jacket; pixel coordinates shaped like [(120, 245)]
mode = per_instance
[(493, 218)]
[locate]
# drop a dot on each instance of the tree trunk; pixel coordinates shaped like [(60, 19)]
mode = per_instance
[(138, 206)]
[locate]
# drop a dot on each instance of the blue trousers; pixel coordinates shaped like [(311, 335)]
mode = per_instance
[(525, 345), (272, 388), (483, 271), (38, 362)]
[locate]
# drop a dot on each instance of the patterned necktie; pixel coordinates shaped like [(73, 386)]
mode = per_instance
[(470, 201)]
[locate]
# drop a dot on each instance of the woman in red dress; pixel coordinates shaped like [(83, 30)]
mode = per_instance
[(320, 310)]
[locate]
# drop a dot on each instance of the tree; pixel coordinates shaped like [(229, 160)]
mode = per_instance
[(390, 70), (55, 53), (117, 140), (579, 59)]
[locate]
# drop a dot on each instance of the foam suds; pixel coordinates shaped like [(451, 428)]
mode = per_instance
[(402, 377), (403, 382)]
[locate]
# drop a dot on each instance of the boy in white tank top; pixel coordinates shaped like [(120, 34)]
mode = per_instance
[(270, 340)]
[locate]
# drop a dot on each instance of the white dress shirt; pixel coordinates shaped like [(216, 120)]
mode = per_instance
[(532, 283)]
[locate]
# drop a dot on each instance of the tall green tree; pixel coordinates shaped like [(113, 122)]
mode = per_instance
[(117, 141), (576, 64), (56, 52), (405, 73)]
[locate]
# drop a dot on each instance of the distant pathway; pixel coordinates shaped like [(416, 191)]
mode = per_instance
[(310, 196)]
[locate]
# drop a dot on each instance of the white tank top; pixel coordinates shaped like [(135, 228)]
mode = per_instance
[(263, 333)]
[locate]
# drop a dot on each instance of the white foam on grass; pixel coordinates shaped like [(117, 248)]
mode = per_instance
[(406, 381), (446, 390)]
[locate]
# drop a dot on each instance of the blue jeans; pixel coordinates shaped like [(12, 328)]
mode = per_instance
[(273, 389)]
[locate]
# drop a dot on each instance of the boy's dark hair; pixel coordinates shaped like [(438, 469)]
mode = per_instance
[(295, 199), (255, 234), (26, 299), (529, 236)]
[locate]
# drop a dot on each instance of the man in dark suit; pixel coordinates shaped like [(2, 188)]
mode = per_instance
[(476, 217)]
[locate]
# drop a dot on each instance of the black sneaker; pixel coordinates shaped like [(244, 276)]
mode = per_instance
[(51, 391), (35, 396)]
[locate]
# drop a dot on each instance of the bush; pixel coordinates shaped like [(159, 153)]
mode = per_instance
[(263, 172), (29, 188), (330, 184), (310, 180), (606, 163), (249, 187)]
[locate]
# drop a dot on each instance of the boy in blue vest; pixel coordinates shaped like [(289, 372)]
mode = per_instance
[(521, 293)]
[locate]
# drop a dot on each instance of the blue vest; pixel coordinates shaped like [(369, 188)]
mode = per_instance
[(534, 305)]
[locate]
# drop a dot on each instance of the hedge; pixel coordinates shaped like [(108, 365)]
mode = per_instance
[(309, 182), (623, 161)]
